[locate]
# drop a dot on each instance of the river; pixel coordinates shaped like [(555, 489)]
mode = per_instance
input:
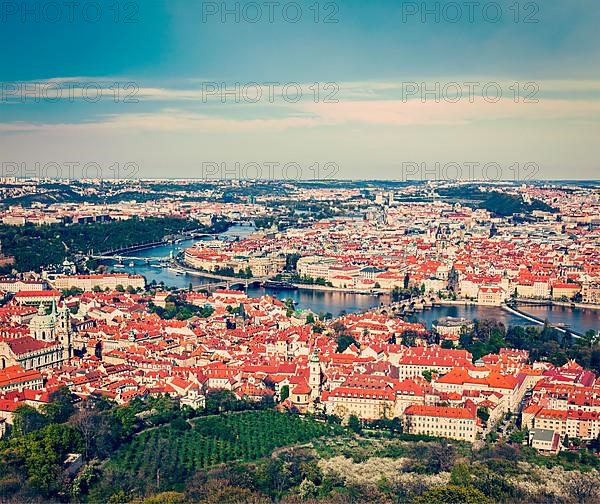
[(334, 302), (579, 320)]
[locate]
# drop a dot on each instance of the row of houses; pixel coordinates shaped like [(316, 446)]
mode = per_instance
[(258, 350)]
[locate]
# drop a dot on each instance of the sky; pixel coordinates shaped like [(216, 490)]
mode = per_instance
[(347, 89)]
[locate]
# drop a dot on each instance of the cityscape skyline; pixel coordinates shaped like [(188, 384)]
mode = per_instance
[(299, 251)]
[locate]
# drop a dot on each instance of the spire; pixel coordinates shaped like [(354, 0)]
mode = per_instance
[(315, 355)]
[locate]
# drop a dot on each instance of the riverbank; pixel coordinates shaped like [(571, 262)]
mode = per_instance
[(459, 302), (183, 236), (134, 248), (566, 304), (326, 288), (189, 270), (538, 321)]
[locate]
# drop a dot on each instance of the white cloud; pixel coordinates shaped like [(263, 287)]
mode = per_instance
[(359, 112)]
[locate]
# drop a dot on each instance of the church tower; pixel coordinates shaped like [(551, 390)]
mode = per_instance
[(314, 379), (63, 330)]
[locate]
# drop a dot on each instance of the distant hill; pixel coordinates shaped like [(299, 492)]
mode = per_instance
[(501, 204)]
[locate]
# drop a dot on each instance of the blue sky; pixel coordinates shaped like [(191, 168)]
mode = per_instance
[(174, 49)]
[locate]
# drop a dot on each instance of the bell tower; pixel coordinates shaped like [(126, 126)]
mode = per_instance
[(314, 379), (63, 329)]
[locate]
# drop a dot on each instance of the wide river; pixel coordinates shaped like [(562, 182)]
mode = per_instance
[(580, 320)]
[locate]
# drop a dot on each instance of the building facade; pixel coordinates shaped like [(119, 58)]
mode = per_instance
[(440, 421)]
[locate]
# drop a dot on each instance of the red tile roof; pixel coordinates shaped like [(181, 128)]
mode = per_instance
[(439, 411)]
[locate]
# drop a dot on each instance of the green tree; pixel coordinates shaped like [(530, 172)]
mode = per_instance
[(492, 482), (125, 420), (73, 291), (409, 338), (428, 375), (483, 413), (60, 407), (291, 260), (591, 338), (166, 498), (43, 452), (285, 392), (344, 341), (119, 497), (517, 436), (180, 424), (452, 494), (441, 457), (398, 294), (27, 419), (354, 424), (460, 475)]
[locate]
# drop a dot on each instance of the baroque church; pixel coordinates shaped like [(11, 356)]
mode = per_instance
[(48, 344), (53, 327)]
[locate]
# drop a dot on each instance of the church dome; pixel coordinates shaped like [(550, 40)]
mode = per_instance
[(43, 321)]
